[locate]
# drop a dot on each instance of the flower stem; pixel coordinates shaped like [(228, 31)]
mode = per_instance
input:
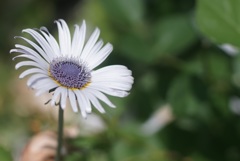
[(60, 133)]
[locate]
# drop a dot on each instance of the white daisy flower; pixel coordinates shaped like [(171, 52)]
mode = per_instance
[(68, 69)]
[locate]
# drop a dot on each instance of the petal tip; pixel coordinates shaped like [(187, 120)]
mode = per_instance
[(12, 50), (63, 106), (84, 115)]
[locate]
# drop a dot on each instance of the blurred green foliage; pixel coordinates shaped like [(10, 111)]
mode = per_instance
[(222, 18), (172, 47)]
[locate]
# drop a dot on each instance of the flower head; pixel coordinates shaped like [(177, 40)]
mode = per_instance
[(67, 68)]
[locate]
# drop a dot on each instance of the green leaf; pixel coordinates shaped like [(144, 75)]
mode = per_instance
[(125, 11), (236, 70), (218, 73), (194, 66), (134, 46), (173, 34), (181, 98), (219, 20), (217, 65), (186, 99)]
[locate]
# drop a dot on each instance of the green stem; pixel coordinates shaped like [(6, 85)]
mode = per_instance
[(60, 133)]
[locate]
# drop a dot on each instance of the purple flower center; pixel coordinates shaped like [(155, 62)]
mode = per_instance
[(70, 73)]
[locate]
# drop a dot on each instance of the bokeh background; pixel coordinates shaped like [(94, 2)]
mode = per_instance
[(185, 102)]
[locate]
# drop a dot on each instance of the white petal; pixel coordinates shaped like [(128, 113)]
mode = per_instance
[(114, 85), (100, 56), (81, 102), (72, 99), (46, 88), (29, 63), (67, 35), (78, 39), (56, 94), (113, 69), (61, 38), (34, 78), (115, 80), (95, 102), (100, 96), (94, 50), (90, 43), (31, 71), (63, 97), (120, 76), (43, 83), (51, 40), (113, 77), (38, 49), (64, 37), (33, 58), (75, 41), (42, 42), (109, 91), (87, 102), (27, 50)]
